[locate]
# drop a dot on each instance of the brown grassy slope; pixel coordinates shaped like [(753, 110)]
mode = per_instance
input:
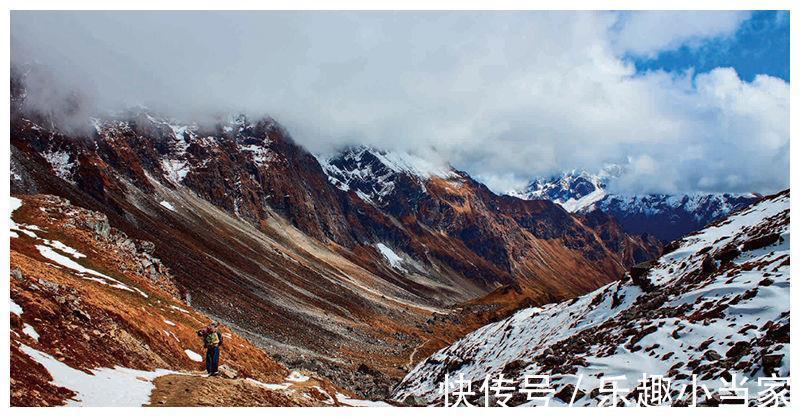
[(87, 324)]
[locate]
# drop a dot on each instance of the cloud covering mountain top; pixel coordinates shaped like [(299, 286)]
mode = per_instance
[(503, 95)]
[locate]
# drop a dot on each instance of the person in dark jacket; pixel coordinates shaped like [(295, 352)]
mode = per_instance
[(212, 341)]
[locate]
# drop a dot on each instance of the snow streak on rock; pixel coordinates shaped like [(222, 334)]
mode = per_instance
[(394, 259), (60, 161), (87, 273)]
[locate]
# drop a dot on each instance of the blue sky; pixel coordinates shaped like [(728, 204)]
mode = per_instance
[(759, 46)]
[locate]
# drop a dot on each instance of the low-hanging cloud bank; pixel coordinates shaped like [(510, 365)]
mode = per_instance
[(504, 96)]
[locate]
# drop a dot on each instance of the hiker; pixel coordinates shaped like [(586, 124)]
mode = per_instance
[(212, 341)]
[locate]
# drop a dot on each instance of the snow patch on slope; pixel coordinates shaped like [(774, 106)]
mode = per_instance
[(14, 227), (295, 376), (104, 387), (84, 272), (261, 154), (176, 169), (359, 403), (14, 204), (167, 205), (15, 308), (64, 248), (175, 164), (394, 259), (193, 355), (59, 160), (30, 331), (572, 205), (400, 161)]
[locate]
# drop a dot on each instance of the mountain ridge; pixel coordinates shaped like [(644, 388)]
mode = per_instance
[(667, 217)]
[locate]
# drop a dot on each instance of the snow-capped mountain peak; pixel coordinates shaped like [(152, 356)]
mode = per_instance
[(373, 173), (574, 190), (665, 216)]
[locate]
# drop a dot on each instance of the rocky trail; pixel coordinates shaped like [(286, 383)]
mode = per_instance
[(411, 363), (200, 390)]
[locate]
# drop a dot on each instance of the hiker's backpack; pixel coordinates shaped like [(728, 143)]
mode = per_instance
[(212, 339)]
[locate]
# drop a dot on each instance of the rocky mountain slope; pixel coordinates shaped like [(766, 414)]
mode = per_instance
[(715, 304), (670, 217), (667, 217), (96, 319), (266, 271), (504, 230)]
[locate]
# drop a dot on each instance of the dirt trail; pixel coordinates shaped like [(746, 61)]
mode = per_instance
[(198, 390), (411, 363)]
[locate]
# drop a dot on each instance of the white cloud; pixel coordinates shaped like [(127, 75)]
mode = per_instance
[(504, 96), (647, 33)]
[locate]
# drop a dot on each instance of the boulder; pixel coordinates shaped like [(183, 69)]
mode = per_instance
[(639, 275), (146, 246), (761, 241), (726, 255), (712, 355), (16, 273), (770, 363), (709, 265), (778, 333), (738, 350), (567, 392), (99, 225)]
